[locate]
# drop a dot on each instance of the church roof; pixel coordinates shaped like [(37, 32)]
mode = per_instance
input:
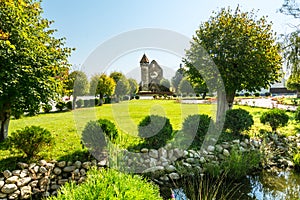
[(144, 59)]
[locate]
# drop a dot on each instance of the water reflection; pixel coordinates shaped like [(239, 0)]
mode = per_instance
[(273, 186)]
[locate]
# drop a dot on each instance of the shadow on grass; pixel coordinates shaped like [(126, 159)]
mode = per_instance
[(11, 162), (81, 155)]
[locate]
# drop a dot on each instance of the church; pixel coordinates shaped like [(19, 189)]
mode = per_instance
[(151, 75)]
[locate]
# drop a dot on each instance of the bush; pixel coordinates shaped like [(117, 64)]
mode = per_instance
[(107, 100), (79, 103), (296, 160), (137, 97), (267, 94), (97, 101), (156, 130), (93, 138), (31, 140), (109, 184), (297, 114), (86, 103), (256, 94), (238, 120), (196, 125), (275, 118), (247, 94), (47, 108), (60, 105), (108, 128), (69, 105)]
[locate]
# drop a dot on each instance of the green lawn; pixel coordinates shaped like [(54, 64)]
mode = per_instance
[(67, 126)]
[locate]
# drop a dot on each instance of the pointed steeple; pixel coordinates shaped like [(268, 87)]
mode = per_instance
[(144, 59)]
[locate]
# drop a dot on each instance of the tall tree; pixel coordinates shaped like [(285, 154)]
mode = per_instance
[(134, 87), (185, 87), (291, 46), (122, 87), (77, 85), (242, 48), (116, 76), (105, 86), (33, 62), (164, 85), (175, 80)]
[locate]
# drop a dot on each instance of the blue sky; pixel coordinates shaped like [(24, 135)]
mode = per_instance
[(87, 24)]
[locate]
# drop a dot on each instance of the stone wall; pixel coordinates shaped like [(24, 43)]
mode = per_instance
[(44, 178)]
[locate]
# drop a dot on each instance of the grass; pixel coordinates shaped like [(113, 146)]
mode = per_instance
[(66, 127)]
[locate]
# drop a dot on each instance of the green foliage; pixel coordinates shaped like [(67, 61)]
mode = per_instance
[(77, 84), (267, 94), (47, 107), (61, 105), (117, 76), (79, 103), (164, 85), (247, 94), (93, 138), (122, 87), (137, 97), (195, 128), (185, 87), (108, 128), (241, 163), (105, 86), (296, 160), (275, 118), (31, 140), (133, 86), (297, 114), (177, 78), (156, 130), (242, 48), (86, 103), (33, 62), (109, 184), (256, 94), (238, 120)]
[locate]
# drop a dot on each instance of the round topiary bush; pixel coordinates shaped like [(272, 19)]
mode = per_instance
[(31, 140), (79, 103), (297, 114), (195, 128), (156, 130), (86, 103), (108, 128), (69, 105), (47, 108), (238, 120), (275, 118), (60, 105), (93, 138)]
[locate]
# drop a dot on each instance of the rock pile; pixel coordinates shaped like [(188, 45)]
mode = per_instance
[(43, 178)]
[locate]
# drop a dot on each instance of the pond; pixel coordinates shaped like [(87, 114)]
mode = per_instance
[(272, 186), (265, 186)]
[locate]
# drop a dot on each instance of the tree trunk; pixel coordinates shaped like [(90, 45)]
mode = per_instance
[(5, 113), (74, 103), (229, 99), (101, 99), (222, 107)]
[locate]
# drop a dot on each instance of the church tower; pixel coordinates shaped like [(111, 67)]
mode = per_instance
[(144, 64)]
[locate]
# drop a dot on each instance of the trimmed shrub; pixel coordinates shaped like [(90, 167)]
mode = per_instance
[(267, 94), (97, 101), (107, 100), (108, 128), (93, 138), (60, 105), (297, 114), (275, 118), (196, 126), (256, 94), (238, 120), (47, 108), (156, 130), (31, 140), (69, 105), (79, 103), (247, 94), (86, 103), (296, 160), (137, 97), (109, 184)]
